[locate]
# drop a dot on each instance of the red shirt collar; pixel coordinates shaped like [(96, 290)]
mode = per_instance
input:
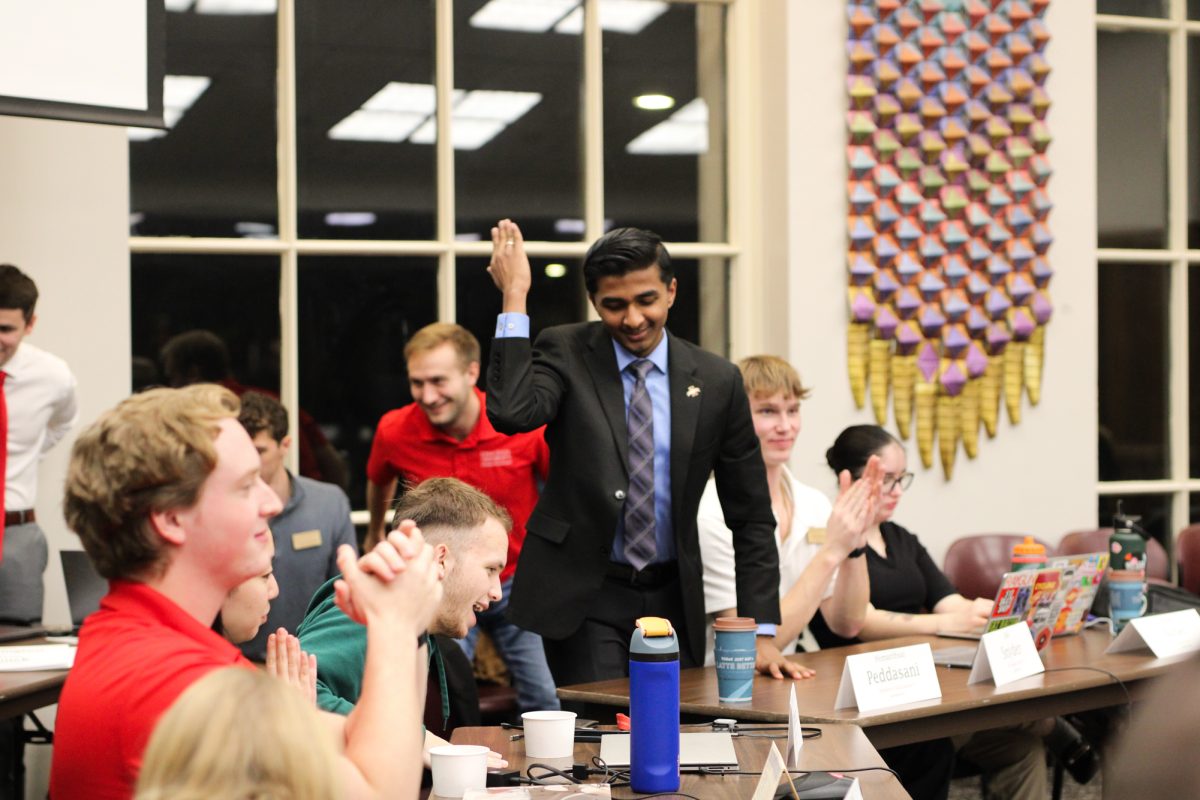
[(130, 598), (482, 432)]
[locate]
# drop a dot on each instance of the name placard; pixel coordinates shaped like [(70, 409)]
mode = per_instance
[(772, 771), (1165, 635), (795, 738), (1006, 655), (886, 678)]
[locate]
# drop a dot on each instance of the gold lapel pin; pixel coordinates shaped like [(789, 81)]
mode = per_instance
[(693, 391)]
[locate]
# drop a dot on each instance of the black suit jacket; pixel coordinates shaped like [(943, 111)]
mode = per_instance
[(568, 381)]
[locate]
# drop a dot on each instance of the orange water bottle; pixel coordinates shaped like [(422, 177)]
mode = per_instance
[(1029, 554)]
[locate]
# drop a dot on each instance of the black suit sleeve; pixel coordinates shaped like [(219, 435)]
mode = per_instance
[(524, 383), (746, 502)]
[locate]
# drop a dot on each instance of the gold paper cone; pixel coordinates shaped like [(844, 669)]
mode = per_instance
[(947, 431), (926, 392), (1035, 352), (968, 416), (1014, 377), (856, 358), (904, 373), (989, 407), (881, 351)]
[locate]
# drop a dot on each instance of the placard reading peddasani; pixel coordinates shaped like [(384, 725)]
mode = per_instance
[(886, 678)]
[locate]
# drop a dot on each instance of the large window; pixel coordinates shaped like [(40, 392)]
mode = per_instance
[(332, 169), (1148, 109)]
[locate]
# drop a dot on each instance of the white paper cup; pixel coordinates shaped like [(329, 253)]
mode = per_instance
[(457, 768), (549, 734)]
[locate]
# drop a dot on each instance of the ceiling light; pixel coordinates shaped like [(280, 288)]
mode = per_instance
[(683, 133), (671, 138), (416, 98), (235, 6), (530, 16), (145, 134), (556, 270), (469, 134), (377, 126), (467, 237), (506, 107), (350, 219), (654, 102), (255, 230), (695, 111), (180, 92), (617, 16), (569, 226), (177, 5), (406, 112)]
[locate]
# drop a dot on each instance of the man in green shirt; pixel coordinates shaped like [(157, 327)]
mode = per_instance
[(469, 534)]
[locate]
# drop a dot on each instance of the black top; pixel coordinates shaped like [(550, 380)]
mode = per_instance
[(907, 581)]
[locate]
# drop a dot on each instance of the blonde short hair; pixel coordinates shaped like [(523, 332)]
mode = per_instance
[(440, 333), (768, 375), (448, 510), (151, 453), (239, 734)]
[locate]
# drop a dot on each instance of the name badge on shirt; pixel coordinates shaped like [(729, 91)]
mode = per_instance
[(815, 536), (496, 458), (306, 540)]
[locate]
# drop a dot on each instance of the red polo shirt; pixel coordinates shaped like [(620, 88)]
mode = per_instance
[(137, 654), (507, 468)]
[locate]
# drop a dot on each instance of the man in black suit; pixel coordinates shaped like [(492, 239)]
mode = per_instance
[(636, 420)]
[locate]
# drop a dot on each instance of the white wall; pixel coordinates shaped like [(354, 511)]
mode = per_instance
[(64, 220), (1038, 477)]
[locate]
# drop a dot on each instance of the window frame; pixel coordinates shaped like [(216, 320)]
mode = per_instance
[(742, 328), (1175, 257)]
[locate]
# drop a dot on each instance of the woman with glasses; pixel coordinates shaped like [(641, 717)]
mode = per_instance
[(910, 595)]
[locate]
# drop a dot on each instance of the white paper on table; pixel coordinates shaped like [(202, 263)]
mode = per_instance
[(36, 657), (1006, 655), (855, 791), (1165, 635)]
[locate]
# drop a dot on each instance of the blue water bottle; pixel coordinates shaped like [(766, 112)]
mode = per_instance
[(654, 707)]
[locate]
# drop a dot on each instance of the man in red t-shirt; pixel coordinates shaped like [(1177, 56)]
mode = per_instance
[(165, 492), (445, 433)]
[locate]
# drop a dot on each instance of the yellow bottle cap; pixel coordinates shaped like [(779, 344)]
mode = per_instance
[(655, 626)]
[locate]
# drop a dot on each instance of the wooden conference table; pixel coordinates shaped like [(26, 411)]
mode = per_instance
[(961, 708), (22, 692), (839, 747)]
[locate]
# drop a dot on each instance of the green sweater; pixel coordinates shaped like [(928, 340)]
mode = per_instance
[(340, 645)]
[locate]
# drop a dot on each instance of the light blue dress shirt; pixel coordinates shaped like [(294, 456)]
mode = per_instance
[(516, 325)]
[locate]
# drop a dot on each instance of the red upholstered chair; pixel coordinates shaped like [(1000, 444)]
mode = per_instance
[(975, 564), (1158, 566), (1187, 552)]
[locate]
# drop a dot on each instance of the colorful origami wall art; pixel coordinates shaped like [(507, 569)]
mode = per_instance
[(947, 227)]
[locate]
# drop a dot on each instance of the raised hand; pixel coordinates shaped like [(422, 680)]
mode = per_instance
[(854, 510), (288, 662), (398, 579), (510, 269)]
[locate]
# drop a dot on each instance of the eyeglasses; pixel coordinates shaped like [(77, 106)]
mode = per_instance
[(903, 480)]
